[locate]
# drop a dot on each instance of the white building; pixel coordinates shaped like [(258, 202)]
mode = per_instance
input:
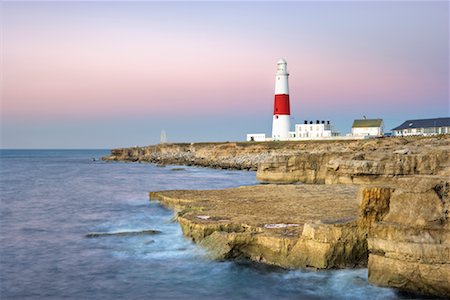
[(423, 127), (317, 130), (256, 137), (367, 127)]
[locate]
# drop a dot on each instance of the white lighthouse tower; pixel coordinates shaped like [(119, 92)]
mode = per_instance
[(281, 111)]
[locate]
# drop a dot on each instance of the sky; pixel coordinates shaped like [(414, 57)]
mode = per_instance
[(114, 74)]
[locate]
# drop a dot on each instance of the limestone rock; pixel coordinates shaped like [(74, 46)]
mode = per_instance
[(307, 226), (381, 164), (402, 151), (403, 232), (410, 247), (347, 161)]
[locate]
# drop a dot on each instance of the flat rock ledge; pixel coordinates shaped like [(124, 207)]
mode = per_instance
[(401, 233), (292, 226)]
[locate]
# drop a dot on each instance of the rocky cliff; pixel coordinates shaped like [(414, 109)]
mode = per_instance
[(401, 224), (409, 248), (330, 162), (403, 232), (372, 161), (286, 225), (240, 156)]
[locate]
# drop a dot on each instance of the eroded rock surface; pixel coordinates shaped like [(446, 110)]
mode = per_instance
[(354, 162), (399, 221), (240, 156), (286, 225), (365, 162), (410, 247), (403, 231)]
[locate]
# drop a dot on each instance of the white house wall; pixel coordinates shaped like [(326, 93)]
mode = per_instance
[(363, 131)]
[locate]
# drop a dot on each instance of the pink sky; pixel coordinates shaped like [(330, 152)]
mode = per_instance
[(104, 62)]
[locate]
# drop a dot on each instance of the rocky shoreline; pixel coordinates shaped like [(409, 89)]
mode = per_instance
[(383, 203), (239, 156), (290, 226), (330, 162), (401, 234)]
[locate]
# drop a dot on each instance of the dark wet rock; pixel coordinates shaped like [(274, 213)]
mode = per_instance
[(122, 233)]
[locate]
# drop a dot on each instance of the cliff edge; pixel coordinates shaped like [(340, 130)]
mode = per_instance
[(397, 224), (290, 226), (402, 234), (357, 162), (409, 248)]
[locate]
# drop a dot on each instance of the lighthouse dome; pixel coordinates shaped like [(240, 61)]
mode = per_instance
[(282, 61)]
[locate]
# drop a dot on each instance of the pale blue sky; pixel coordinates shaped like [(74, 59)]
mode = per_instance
[(110, 74)]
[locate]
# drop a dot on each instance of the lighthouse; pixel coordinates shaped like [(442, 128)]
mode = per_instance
[(281, 110)]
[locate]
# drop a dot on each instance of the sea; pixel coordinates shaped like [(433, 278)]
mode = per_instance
[(51, 199)]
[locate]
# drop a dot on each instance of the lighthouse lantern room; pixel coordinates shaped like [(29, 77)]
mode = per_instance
[(281, 113)]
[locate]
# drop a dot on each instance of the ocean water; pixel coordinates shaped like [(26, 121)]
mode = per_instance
[(50, 200)]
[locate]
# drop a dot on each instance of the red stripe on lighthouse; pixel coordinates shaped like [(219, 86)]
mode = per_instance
[(281, 105)]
